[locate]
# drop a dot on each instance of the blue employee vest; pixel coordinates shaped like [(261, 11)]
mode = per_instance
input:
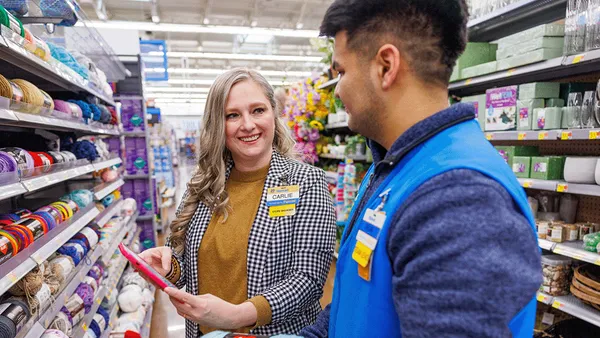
[(366, 309)]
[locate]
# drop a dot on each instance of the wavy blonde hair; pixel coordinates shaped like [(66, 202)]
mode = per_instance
[(208, 182)]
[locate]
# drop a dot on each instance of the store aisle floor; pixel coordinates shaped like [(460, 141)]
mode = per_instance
[(166, 323)]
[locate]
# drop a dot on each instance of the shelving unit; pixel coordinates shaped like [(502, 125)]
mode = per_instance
[(112, 247), (571, 305), (80, 329), (343, 157), (25, 120), (561, 186), (109, 212), (545, 135)]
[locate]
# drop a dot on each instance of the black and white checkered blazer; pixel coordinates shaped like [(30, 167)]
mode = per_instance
[(288, 257)]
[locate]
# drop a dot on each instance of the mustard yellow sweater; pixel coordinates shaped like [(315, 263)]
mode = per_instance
[(222, 256)]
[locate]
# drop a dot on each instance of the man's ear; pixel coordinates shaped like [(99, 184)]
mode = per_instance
[(388, 61)]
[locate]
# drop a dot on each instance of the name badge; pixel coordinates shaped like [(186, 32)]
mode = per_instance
[(368, 236), (282, 201)]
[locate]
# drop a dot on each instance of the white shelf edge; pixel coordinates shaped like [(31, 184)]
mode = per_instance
[(11, 190), (112, 247), (107, 163), (105, 216), (544, 298), (561, 186), (37, 120), (107, 188), (575, 307), (544, 135), (147, 323)]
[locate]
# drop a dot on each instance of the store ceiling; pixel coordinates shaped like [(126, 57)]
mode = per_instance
[(293, 16)]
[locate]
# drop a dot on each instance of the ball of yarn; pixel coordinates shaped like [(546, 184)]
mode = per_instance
[(23, 158), (86, 110), (95, 330), (7, 163), (147, 298), (52, 333), (96, 112), (106, 115), (109, 175), (130, 298), (74, 249), (134, 278), (86, 293), (82, 197), (19, 314), (31, 93), (108, 200), (129, 207), (85, 149), (29, 285), (104, 315), (63, 322), (58, 270)]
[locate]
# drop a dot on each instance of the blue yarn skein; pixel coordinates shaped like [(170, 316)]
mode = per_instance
[(95, 327), (108, 200), (82, 197), (76, 249), (85, 149), (104, 314), (96, 112), (86, 110)]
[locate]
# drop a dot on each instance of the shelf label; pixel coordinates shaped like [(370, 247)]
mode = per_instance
[(98, 300), (84, 326), (12, 277), (543, 135), (542, 298), (578, 58), (521, 136), (594, 134), (489, 136), (510, 72), (566, 135), (562, 187), (468, 82), (557, 304), (527, 184)]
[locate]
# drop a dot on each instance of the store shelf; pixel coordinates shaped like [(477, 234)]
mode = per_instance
[(147, 323), (557, 68), (112, 247), (546, 244), (53, 73), (134, 133), (17, 267), (109, 212), (136, 177), (544, 298), (575, 307), (106, 189), (128, 97), (146, 218), (82, 327), (114, 311), (514, 18), (331, 176), (575, 250), (545, 135), (25, 120), (106, 164), (11, 190), (344, 157), (61, 298), (330, 83), (561, 186), (337, 125)]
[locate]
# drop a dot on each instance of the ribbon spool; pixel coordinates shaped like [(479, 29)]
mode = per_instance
[(10, 21), (14, 313), (25, 234), (10, 90), (68, 156), (36, 224), (10, 243), (48, 217)]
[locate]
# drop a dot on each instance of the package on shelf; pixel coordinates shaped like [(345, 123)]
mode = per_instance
[(529, 58), (475, 53), (554, 102), (482, 69), (136, 156), (525, 110), (508, 153), (478, 102), (556, 272), (547, 118), (521, 166), (539, 90), (508, 51), (132, 115), (547, 167), (501, 108), (581, 170), (547, 30), (575, 26)]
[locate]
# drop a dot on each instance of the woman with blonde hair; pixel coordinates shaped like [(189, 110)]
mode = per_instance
[(254, 236)]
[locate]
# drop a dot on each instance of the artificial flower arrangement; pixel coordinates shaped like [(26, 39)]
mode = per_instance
[(306, 114)]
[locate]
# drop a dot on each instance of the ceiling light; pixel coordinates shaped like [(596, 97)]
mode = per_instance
[(155, 19), (175, 90), (206, 21), (299, 25), (254, 23), (182, 28), (201, 101), (176, 96), (210, 82), (199, 71), (256, 57)]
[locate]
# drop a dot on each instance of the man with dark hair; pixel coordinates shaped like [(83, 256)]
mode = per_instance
[(441, 241)]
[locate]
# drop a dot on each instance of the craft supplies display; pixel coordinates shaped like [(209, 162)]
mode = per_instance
[(135, 299)]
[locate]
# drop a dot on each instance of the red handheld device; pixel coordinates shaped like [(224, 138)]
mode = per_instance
[(145, 269)]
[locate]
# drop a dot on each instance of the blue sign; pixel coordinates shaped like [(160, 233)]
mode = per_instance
[(154, 60)]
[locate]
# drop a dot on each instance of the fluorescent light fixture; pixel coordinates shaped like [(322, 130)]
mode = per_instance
[(199, 71), (183, 28), (254, 57), (210, 82), (155, 19), (254, 23), (175, 90), (176, 96), (201, 101), (206, 21), (299, 25)]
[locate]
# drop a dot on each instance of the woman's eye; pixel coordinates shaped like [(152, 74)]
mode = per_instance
[(231, 116), (259, 110)]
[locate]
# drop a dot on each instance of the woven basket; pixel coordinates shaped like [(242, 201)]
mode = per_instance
[(585, 284)]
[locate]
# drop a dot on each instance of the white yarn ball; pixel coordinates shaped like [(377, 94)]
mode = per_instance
[(130, 298), (54, 334), (148, 298)]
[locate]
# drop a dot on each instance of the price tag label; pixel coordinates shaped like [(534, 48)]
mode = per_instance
[(542, 298), (84, 326), (12, 277), (594, 134), (98, 301), (597, 262), (521, 136), (578, 58), (557, 304), (562, 187), (468, 82), (489, 136), (543, 135), (566, 135), (527, 184), (510, 72)]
